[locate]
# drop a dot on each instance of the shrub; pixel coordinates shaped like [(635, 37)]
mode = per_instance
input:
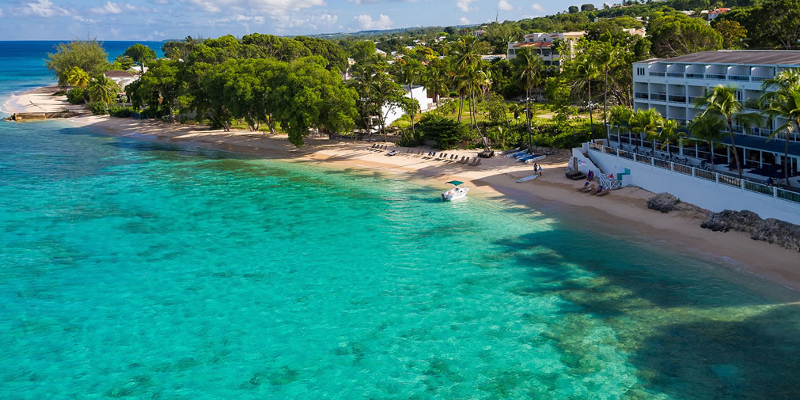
[(76, 96), (98, 108), (60, 93), (120, 112), (447, 133), (407, 139)]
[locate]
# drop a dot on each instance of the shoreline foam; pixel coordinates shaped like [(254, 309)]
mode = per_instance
[(624, 210)]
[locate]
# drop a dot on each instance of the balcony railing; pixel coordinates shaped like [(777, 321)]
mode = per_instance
[(675, 74), (658, 96), (641, 96), (758, 78), (677, 99), (695, 76), (653, 73), (719, 178), (715, 76), (739, 78)]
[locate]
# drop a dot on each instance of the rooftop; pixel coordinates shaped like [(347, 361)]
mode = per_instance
[(749, 57)]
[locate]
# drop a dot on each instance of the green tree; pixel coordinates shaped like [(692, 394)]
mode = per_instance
[(435, 79), (411, 107), (619, 116), (160, 86), (573, 9), (587, 7), (669, 134), (783, 102), (733, 34), (103, 90), (586, 71), (676, 34), (78, 78), (140, 54), (779, 20), (530, 68), (645, 122), (122, 63), (707, 129), (87, 55), (312, 97), (722, 103)]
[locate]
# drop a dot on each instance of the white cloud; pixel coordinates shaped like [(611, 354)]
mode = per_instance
[(84, 20), (42, 8), (464, 5), (270, 7), (108, 8), (366, 22), (504, 5), (537, 7), (161, 2), (464, 21)]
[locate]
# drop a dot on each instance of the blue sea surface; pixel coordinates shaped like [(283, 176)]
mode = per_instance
[(139, 270)]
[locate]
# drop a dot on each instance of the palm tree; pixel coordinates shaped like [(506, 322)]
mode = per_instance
[(587, 69), (529, 67), (78, 77), (103, 90), (645, 122), (707, 130), (466, 58), (670, 134), (722, 103), (435, 79), (618, 116), (783, 103), (605, 57)]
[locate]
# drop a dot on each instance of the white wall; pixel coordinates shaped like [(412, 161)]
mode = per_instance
[(418, 93), (700, 192)]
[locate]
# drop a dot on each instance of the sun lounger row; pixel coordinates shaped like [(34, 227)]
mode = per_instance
[(429, 155)]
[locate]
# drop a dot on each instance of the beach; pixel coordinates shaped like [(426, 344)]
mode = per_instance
[(494, 178)]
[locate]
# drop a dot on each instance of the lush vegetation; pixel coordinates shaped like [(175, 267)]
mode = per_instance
[(297, 85)]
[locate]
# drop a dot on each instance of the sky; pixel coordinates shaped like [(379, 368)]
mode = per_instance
[(175, 19)]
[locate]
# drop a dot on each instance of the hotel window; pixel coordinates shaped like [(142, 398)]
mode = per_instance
[(639, 71)]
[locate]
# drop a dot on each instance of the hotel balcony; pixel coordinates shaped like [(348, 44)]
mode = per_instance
[(715, 77), (641, 96), (695, 76), (654, 73), (658, 97), (739, 78), (675, 74), (677, 99)]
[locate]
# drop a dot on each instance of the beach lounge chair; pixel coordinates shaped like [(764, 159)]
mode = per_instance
[(464, 160), (477, 161), (586, 188)]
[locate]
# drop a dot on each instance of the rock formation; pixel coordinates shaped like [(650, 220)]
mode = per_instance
[(770, 230)]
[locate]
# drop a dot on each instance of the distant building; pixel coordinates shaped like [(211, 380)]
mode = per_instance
[(542, 44), (492, 57), (635, 32), (122, 78), (380, 52), (716, 13), (418, 93), (479, 33)]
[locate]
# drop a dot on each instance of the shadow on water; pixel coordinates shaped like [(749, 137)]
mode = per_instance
[(689, 330)]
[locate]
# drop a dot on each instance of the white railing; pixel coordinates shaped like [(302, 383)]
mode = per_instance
[(718, 178)]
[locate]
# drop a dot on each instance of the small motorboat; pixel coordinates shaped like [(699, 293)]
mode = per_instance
[(456, 192), (519, 154), (527, 178)]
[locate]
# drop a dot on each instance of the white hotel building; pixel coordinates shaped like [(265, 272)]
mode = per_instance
[(670, 85)]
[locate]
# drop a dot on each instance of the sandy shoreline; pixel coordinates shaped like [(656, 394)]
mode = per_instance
[(495, 179), (38, 100)]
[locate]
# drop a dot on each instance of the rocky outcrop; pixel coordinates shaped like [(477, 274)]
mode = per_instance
[(740, 221), (769, 230), (663, 202)]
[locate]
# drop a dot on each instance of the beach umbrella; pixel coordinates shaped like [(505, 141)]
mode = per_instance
[(456, 183)]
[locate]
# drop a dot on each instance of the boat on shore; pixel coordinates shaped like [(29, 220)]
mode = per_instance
[(456, 192)]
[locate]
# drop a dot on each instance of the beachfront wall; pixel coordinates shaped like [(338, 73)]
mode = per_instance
[(714, 192)]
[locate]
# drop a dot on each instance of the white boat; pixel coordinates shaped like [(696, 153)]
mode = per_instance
[(527, 178), (538, 157), (456, 192)]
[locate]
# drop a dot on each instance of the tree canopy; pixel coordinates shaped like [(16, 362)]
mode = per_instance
[(86, 54)]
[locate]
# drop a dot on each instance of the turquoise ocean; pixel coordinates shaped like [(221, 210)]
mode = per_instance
[(139, 270)]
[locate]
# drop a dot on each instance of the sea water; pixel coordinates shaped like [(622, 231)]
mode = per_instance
[(133, 269)]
